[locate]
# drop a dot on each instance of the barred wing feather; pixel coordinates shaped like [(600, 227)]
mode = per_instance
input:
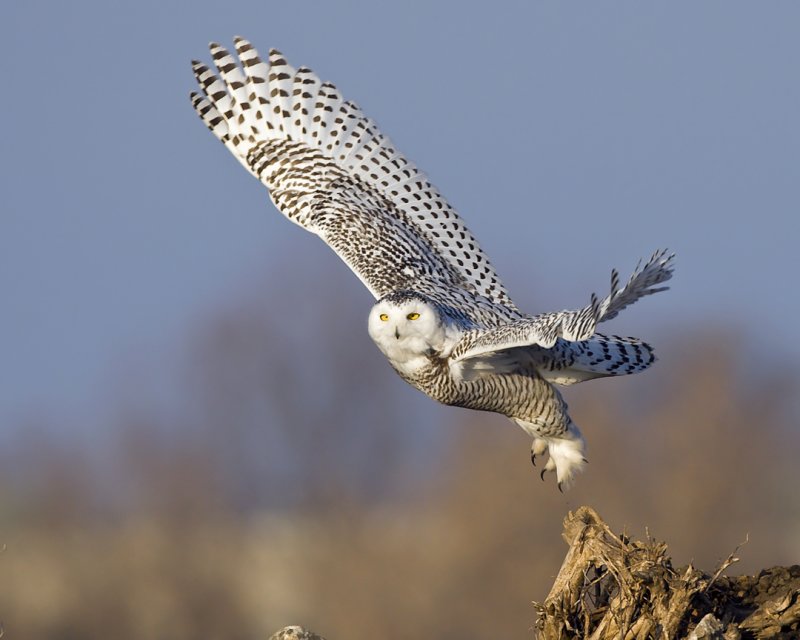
[(329, 169), (574, 326)]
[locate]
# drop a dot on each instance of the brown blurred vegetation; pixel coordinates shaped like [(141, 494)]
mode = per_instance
[(303, 483)]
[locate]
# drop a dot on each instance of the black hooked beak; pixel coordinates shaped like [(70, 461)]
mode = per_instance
[(396, 333)]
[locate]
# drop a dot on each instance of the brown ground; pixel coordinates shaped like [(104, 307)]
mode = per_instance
[(610, 587)]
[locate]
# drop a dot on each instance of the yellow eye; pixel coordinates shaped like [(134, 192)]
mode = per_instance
[(413, 316), (384, 317)]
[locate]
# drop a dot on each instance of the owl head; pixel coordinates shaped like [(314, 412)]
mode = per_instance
[(406, 325)]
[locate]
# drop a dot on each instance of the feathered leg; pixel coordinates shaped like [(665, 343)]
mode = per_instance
[(546, 419)]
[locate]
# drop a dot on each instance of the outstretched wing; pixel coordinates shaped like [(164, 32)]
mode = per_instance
[(544, 330), (330, 170)]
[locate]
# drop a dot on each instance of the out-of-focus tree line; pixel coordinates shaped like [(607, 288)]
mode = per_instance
[(303, 482)]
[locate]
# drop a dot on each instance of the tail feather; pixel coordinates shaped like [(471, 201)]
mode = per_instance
[(613, 355), (599, 357)]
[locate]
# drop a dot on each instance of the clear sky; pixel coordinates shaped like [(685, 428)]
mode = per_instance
[(572, 137)]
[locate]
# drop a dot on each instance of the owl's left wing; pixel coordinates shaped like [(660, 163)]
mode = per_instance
[(544, 330), (330, 170)]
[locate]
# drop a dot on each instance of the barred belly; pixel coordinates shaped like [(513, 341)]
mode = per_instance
[(527, 398)]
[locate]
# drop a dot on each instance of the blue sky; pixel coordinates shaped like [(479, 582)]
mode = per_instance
[(571, 137)]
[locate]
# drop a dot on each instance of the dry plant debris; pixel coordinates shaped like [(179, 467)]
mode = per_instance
[(612, 587)]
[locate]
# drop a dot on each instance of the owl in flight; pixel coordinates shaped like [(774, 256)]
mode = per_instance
[(443, 318)]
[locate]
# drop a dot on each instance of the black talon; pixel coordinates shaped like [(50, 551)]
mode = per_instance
[(533, 458), (559, 488), (541, 475)]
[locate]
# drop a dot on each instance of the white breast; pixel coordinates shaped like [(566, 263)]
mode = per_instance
[(407, 355)]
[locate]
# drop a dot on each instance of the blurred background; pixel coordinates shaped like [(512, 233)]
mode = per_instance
[(197, 436)]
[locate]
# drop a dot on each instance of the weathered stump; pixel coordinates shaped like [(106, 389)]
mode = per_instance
[(613, 587)]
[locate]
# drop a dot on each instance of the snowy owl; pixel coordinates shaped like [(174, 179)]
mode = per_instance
[(443, 319)]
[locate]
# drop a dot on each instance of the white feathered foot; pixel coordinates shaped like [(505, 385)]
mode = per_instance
[(566, 455)]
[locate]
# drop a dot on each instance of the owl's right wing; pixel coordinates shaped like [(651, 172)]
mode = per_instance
[(330, 170)]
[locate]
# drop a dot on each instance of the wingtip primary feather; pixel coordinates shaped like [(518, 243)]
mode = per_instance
[(258, 105)]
